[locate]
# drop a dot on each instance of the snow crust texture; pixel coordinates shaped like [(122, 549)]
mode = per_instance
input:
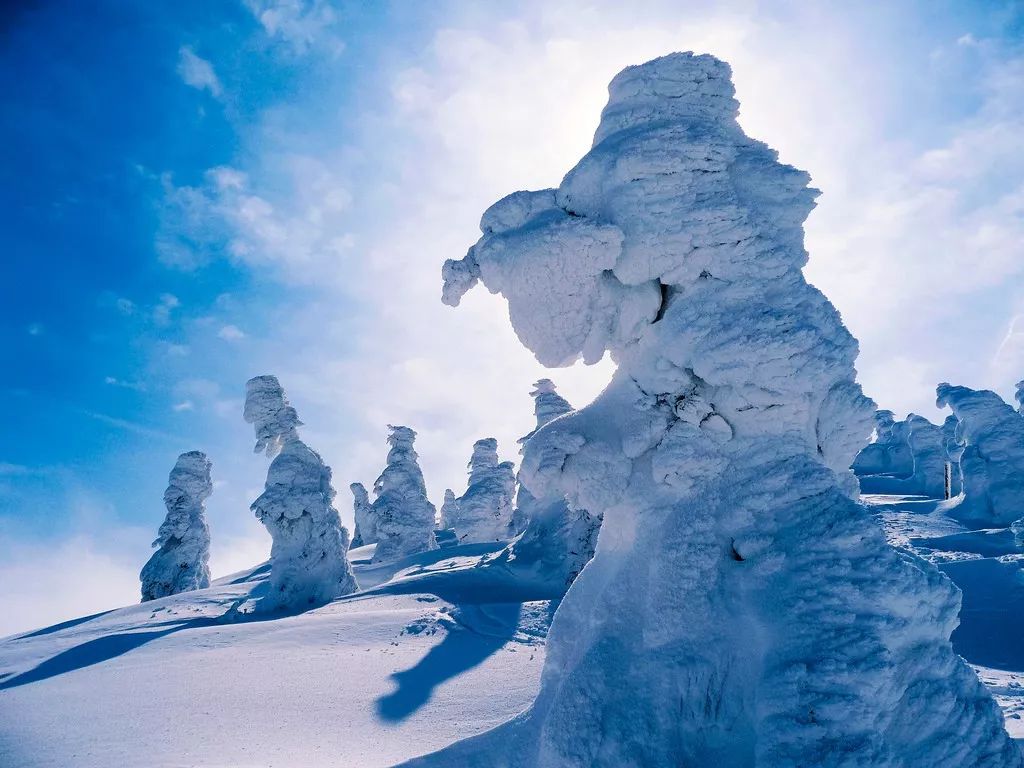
[(907, 457), (308, 558), (403, 514), (484, 511), (741, 609), (990, 434), (181, 562)]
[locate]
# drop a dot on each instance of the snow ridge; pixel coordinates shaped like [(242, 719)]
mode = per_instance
[(741, 609), (182, 561)]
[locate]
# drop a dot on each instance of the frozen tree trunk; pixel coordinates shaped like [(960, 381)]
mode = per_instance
[(365, 526), (309, 555), (484, 512), (741, 609), (404, 516), (991, 458), (181, 562)]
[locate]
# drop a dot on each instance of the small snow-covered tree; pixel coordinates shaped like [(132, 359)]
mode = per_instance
[(402, 512), (365, 527), (992, 458), (484, 512), (547, 406), (308, 559), (448, 512), (181, 562)]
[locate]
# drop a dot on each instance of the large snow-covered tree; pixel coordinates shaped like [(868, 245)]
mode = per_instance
[(308, 558), (991, 455), (484, 512), (182, 560), (741, 608), (402, 512)]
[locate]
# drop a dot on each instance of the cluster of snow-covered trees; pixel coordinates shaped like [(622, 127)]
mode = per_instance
[(309, 562), (978, 451)]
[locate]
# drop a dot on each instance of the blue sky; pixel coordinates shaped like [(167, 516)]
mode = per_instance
[(198, 193)]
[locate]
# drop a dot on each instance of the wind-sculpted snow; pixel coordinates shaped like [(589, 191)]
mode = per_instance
[(182, 561), (741, 609), (954, 445), (365, 525), (308, 558), (992, 458), (1019, 396), (268, 410), (484, 511), (403, 515), (889, 453)]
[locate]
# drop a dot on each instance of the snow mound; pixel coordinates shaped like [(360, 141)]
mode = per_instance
[(740, 608), (182, 562)]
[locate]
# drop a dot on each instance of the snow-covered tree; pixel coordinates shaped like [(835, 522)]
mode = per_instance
[(366, 528), (547, 406), (1019, 396), (181, 562), (889, 452), (741, 609), (403, 514), (907, 457), (992, 459), (954, 445), (308, 559), (484, 511)]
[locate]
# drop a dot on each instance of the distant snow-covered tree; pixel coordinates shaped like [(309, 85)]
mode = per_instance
[(308, 559), (403, 515), (365, 527), (181, 562), (992, 458), (484, 512), (1019, 395)]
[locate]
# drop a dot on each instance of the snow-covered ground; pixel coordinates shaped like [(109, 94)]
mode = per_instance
[(190, 680), (987, 566), (433, 649)]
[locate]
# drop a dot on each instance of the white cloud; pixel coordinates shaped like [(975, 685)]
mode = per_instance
[(184, 405), (301, 24), (113, 381), (230, 333), (197, 72), (161, 313)]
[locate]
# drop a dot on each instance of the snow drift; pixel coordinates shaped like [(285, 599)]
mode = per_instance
[(308, 559), (182, 562), (740, 609), (992, 456)]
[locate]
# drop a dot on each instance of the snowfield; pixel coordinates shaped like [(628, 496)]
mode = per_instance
[(384, 675), (369, 680)]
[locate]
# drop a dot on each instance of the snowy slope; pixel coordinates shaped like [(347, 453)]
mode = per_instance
[(368, 680)]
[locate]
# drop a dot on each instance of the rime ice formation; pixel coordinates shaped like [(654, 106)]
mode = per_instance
[(484, 511), (403, 515), (992, 461), (1019, 396), (365, 526), (308, 557), (268, 410), (182, 561), (954, 446), (741, 609)]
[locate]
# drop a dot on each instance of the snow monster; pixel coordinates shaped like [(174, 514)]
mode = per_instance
[(741, 608)]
